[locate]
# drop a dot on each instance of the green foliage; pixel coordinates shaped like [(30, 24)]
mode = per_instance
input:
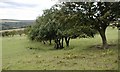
[(74, 19), (97, 15), (56, 24), (20, 32), (13, 32), (6, 33)]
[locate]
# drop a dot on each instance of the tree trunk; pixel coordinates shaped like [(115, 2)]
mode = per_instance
[(50, 41), (62, 43), (104, 40), (43, 42), (58, 44), (67, 39)]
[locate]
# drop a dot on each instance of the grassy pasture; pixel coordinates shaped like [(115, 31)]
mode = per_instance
[(82, 54)]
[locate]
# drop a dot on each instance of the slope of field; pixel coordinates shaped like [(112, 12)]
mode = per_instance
[(81, 55)]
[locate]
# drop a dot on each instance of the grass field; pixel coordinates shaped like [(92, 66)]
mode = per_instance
[(16, 54)]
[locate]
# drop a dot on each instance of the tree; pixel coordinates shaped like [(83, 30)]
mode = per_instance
[(44, 29), (58, 24), (13, 32), (20, 32), (98, 15), (5, 33)]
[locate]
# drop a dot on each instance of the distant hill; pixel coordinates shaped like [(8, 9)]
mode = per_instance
[(7, 24)]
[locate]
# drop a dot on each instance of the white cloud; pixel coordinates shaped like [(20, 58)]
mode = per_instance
[(10, 11)]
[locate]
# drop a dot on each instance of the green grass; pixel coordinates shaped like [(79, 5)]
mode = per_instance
[(0, 53), (16, 54)]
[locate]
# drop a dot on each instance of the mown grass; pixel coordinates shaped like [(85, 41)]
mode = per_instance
[(16, 54)]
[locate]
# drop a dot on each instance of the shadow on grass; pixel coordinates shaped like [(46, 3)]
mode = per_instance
[(65, 48), (99, 46)]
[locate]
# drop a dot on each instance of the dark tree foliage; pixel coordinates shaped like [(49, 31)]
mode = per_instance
[(97, 15)]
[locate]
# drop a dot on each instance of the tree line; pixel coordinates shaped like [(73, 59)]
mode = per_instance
[(13, 33), (68, 20)]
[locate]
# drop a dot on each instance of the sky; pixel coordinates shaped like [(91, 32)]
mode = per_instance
[(24, 9)]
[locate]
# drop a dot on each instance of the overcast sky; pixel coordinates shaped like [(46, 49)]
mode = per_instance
[(23, 9)]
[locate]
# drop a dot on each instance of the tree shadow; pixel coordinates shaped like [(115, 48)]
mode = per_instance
[(99, 46)]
